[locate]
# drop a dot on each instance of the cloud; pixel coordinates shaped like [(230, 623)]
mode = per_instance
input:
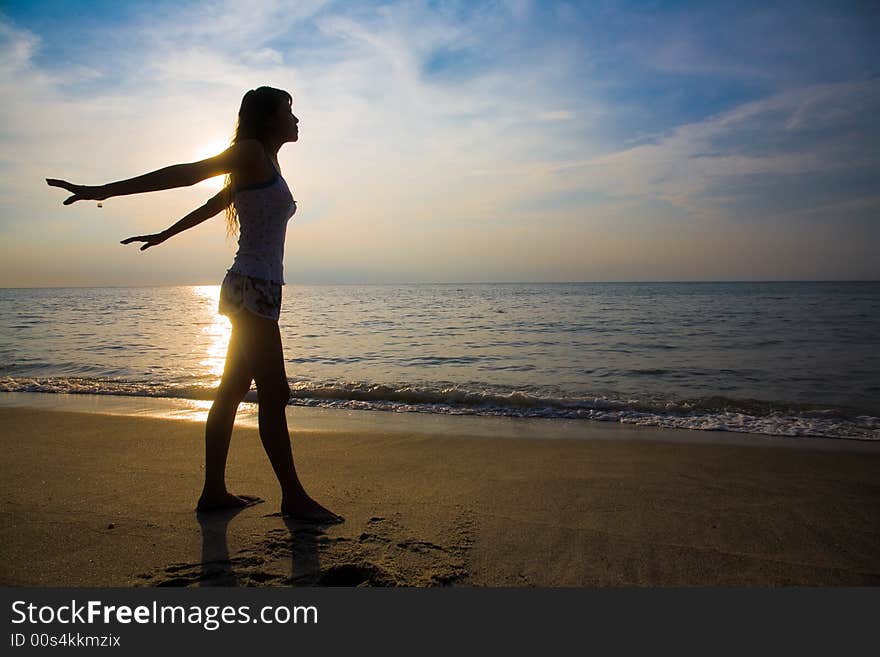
[(17, 47), (263, 57), (799, 136), (460, 137), (556, 115), (230, 25)]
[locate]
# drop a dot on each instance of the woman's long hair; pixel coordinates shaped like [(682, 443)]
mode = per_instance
[(256, 120)]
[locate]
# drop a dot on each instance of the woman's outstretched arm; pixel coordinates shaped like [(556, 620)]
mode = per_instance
[(177, 175), (214, 205)]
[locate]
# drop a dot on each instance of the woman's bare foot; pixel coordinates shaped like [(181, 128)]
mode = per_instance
[(304, 509), (224, 501)]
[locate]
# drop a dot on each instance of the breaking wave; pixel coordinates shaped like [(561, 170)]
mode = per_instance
[(705, 414)]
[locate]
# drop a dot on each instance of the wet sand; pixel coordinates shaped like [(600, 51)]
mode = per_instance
[(102, 500)]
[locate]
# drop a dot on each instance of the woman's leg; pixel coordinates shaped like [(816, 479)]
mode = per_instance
[(261, 341), (234, 386)]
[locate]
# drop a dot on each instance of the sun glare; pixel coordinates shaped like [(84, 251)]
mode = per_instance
[(210, 150), (217, 332)]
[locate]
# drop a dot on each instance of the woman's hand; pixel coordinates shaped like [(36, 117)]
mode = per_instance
[(151, 240), (80, 192)]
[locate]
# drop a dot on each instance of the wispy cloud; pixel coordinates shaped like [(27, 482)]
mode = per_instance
[(521, 128), (818, 131)]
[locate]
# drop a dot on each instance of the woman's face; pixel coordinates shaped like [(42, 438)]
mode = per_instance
[(287, 123)]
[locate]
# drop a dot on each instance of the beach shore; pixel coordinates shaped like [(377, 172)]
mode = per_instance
[(108, 500)]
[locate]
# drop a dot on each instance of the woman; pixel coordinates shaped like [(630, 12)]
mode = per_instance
[(258, 197)]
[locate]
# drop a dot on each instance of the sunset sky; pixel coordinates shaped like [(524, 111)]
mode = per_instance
[(454, 141)]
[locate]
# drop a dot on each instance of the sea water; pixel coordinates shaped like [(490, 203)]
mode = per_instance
[(790, 359)]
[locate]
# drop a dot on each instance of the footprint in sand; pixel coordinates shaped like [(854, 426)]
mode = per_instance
[(383, 553)]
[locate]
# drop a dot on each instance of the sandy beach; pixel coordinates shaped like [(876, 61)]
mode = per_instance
[(101, 500)]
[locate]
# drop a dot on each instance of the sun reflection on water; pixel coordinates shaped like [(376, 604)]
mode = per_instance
[(193, 409), (217, 333)]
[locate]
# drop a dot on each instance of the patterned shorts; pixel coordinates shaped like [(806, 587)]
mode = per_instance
[(259, 296)]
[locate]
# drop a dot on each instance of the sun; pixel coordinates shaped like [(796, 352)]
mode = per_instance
[(210, 150)]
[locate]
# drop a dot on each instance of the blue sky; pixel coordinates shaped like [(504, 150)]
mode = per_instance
[(455, 141)]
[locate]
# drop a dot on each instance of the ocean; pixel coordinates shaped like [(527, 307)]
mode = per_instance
[(785, 359)]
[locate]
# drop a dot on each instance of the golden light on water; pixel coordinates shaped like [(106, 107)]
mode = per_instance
[(210, 150), (211, 353), (195, 410), (217, 333)]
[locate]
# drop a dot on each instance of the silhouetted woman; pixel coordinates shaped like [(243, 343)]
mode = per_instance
[(258, 198)]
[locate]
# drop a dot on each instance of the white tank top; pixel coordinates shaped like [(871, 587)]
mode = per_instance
[(263, 212)]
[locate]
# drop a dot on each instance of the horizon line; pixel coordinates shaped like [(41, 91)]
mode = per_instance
[(610, 282)]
